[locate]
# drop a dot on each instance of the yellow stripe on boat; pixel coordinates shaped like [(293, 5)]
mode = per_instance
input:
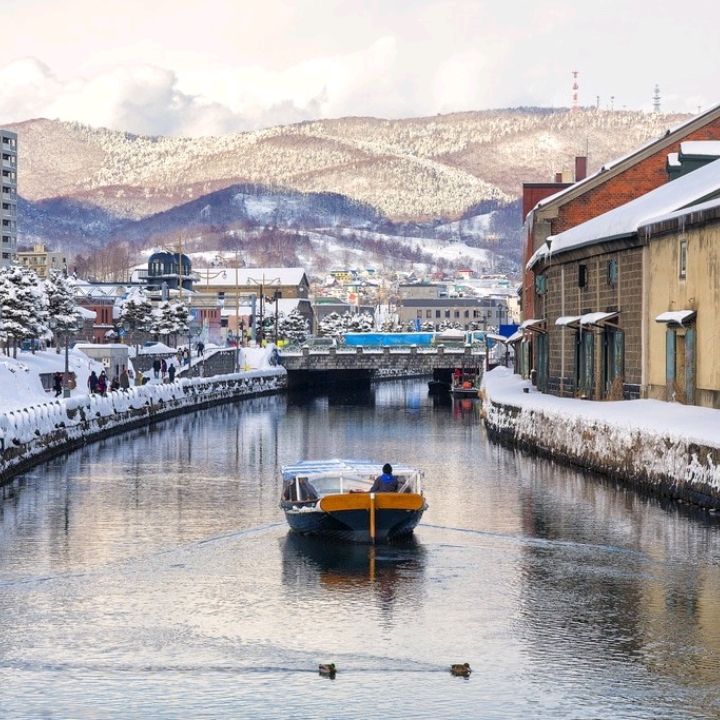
[(361, 501)]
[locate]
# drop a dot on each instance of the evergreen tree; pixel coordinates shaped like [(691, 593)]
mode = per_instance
[(137, 311), (331, 325), (182, 318), (61, 302), (294, 328), (24, 305), (164, 320)]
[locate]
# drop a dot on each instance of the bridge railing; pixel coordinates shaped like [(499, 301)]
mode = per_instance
[(305, 350)]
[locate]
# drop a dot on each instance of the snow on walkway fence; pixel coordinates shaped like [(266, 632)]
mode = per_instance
[(665, 448), (30, 435)]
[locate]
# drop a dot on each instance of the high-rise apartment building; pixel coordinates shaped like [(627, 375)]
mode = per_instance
[(9, 198)]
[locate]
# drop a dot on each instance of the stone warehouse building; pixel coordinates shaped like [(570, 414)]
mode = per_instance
[(626, 303)]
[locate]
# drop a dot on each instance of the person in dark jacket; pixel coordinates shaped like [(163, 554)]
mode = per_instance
[(58, 383), (386, 482)]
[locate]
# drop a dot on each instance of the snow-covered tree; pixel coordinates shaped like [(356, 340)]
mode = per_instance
[(428, 326), (331, 325), (137, 311), (164, 320), (24, 305), (62, 308), (359, 322), (181, 320), (293, 327), (450, 325), (390, 326)]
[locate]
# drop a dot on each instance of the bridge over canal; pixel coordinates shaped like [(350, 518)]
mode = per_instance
[(315, 367)]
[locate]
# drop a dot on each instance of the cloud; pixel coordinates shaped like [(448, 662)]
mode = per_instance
[(146, 99), (219, 67)]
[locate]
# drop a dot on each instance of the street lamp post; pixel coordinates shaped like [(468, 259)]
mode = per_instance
[(65, 332), (262, 283)]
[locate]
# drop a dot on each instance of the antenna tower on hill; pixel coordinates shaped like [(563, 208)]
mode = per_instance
[(656, 99), (575, 89)]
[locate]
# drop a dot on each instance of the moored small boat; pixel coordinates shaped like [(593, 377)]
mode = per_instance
[(331, 498)]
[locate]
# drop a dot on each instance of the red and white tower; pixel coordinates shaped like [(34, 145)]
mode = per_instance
[(575, 88)]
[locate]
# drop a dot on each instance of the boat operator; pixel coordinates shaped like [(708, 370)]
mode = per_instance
[(386, 482)]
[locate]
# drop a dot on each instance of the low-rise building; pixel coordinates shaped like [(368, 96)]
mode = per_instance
[(42, 261)]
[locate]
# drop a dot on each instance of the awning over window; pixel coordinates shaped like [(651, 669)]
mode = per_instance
[(568, 320), (677, 317), (599, 319), (534, 325), (497, 338)]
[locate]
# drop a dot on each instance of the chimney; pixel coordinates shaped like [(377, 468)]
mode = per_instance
[(580, 168)]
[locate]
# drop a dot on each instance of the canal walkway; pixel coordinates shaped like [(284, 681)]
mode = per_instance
[(665, 448), (34, 426)]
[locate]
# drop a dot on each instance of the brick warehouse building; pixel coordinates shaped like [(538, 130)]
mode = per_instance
[(608, 283), (593, 283)]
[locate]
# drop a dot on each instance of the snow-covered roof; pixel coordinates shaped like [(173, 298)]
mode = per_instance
[(267, 277), (624, 221), (87, 314)]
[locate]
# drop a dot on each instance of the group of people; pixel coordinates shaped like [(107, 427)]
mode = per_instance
[(100, 384), (183, 356), (161, 370)]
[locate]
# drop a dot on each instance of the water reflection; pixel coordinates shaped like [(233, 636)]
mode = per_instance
[(386, 574), (159, 563)]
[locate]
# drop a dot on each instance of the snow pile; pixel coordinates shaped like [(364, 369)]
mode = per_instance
[(665, 446)]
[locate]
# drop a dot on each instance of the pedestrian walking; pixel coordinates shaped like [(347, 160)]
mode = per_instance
[(57, 383), (124, 380), (171, 372), (93, 382), (163, 369), (156, 367), (102, 384)]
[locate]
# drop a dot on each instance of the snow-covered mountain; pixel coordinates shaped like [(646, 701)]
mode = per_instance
[(82, 187)]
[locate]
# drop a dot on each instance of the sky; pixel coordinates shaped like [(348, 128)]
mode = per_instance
[(213, 67)]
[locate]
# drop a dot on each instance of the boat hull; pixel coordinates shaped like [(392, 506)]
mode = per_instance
[(465, 393), (359, 517)]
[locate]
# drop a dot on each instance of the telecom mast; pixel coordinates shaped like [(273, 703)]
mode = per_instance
[(656, 99), (575, 88)]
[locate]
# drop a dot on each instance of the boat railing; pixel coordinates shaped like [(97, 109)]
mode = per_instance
[(410, 483)]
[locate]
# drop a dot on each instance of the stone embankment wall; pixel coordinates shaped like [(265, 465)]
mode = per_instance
[(34, 434), (667, 465)]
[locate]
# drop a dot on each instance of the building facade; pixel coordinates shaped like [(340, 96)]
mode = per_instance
[(9, 198), (616, 316), (42, 261), (613, 185)]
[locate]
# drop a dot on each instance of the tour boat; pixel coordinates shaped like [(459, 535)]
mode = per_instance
[(331, 498), (465, 385)]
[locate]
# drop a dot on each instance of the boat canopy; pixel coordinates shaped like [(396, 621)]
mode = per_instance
[(339, 476)]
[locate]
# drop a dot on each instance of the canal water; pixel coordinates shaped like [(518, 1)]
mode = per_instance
[(152, 576)]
